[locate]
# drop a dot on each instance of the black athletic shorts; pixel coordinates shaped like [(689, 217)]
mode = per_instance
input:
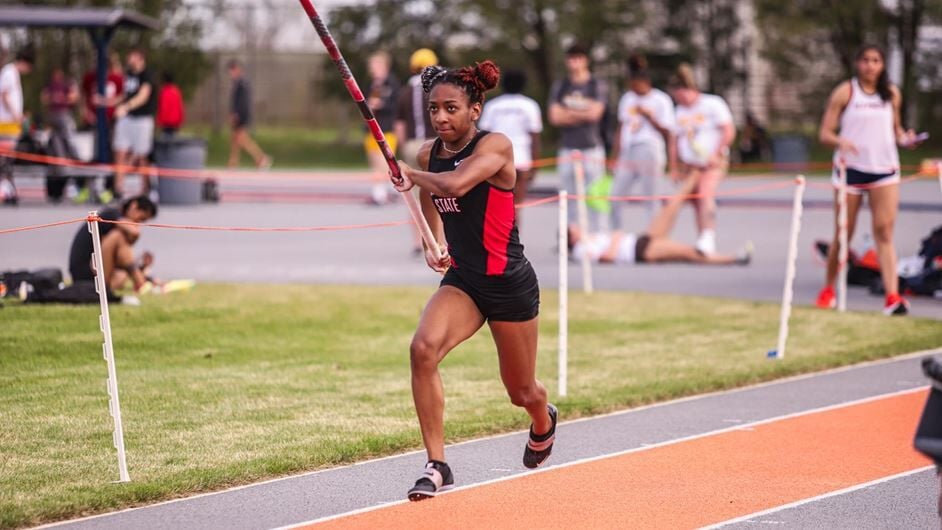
[(514, 298), (641, 248)]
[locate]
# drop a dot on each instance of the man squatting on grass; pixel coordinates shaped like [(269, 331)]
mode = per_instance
[(467, 180), (117, 241)]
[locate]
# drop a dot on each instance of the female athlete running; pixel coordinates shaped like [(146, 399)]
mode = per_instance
[(467, 181), (862, 124)]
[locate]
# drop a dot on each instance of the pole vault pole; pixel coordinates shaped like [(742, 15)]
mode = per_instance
[(354, 90)]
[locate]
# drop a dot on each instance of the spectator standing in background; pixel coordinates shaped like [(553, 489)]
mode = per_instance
[(645, 139), (577, 107), (413, 126), (11, 117), (381, 97), (241, 118), (170, 109), (114, 88), (134, 129), (753, 141), (59, 97), (519, 118), (705, 131)]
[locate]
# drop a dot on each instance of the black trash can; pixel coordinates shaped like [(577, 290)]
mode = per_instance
[(788, 151), (180, 152)]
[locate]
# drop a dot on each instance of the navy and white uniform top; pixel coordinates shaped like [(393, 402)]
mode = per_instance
[(480, 226), (869, 122)]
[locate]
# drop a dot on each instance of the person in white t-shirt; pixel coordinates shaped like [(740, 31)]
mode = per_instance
[(705, 130), (645, 137), (654, 244), (11, 117), (519, 118)]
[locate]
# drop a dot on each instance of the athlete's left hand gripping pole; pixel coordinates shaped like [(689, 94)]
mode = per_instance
[(354, 89)]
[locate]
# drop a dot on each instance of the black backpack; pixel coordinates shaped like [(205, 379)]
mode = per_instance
[(931, 247)]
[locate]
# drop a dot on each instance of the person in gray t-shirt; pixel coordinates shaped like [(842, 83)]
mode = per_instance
[(577, 107)]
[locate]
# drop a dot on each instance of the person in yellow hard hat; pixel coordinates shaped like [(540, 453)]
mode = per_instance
[(413, 126)]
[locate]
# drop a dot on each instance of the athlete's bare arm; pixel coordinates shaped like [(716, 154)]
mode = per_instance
[(492, 160), (560, 116), (431, 216), (828, 132)]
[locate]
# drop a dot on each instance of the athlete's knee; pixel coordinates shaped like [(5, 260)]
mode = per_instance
[(526, 396), (424, 354), (883, 232)]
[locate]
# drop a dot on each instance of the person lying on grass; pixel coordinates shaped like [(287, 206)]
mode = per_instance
[(654, 244)]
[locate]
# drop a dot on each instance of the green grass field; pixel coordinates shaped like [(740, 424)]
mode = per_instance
[(231, 384)]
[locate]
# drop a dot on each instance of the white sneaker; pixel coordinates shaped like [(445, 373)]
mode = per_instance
[(706, 243)]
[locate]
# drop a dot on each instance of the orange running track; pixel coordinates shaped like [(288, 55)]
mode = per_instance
[(689, 483)]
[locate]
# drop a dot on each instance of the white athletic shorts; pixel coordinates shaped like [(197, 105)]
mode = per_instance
[(134, 134)]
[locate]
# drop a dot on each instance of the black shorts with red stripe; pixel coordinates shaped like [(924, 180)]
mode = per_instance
[(508, 298)]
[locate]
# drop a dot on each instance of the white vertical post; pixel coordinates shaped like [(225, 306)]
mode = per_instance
[(583, 212), (788, 290), (842, 239), (938, 168), (114, 405), (563, 293)]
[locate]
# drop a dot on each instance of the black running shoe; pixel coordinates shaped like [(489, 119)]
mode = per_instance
[(539, 447), (435, 479)]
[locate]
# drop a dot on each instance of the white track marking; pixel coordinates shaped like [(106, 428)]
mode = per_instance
[(809, 500), (687, 399), (745, 427)]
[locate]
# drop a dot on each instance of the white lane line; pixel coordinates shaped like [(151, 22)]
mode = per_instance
[(765, 384), (748, 426), (809, 500)]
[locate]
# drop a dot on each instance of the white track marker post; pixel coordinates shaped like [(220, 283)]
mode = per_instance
[(114, 406), (842, 239), (938, 168), (563, 293), (788, 291), (583, 212)]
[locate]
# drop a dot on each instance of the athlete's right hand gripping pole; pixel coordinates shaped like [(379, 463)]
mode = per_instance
[(842, 237), (354, 90)]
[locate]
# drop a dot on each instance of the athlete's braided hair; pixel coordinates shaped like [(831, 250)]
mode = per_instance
[(474, 80)]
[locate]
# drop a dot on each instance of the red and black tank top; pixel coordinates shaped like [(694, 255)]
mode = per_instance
[(481, 225)]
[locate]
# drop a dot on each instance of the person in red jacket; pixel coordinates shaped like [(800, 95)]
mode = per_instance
[(170, 110)]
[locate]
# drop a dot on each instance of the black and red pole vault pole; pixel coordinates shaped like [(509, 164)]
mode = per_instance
[(354, 90)]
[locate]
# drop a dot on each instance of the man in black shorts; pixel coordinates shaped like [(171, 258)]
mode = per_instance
[(116, 246)]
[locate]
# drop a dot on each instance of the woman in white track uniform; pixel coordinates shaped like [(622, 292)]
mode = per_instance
[(862, 124)]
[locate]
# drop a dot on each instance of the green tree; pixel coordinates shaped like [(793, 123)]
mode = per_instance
[(797, 33), (527, 34), (705, 31), (175, 46)]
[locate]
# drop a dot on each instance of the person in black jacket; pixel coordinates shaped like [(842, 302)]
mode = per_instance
[(240, 116)]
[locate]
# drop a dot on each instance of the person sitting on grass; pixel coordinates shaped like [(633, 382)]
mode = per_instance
[(117, 241), (654, 244)]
